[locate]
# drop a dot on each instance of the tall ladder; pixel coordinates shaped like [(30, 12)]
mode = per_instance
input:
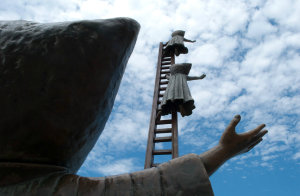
[(163, 68)]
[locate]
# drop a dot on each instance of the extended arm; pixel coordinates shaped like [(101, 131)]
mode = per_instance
[(196, 77), (231, 144), (187, 40)]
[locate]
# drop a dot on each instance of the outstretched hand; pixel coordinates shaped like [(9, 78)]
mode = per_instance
[(231, 144), (235, 144)]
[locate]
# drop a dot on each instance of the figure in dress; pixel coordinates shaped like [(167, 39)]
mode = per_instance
[(177, 95), (176, 44)]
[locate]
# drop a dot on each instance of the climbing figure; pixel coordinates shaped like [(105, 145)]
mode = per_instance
[(176, 44), (177, 95)]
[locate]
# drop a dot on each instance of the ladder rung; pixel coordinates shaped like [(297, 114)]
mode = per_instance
[(161, 152), (163, 122), (165, 72), (169, 130), (163, 77), (163, 139), (166, 58), (163, 82), (160, 95), (158, 102), (166, 63), (166, 67), (162, 88)]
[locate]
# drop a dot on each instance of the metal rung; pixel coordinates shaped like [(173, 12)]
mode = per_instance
[(166, 63), (164, 82), (164, 72), (160, 95), (162, 152), (165, 67), (163, 139), (163, 122), (163, 130), (163, 77), (162, 88)]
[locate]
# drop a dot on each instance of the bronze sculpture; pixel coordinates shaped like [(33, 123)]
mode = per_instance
[(58, 83), (176, 44), (177, 95)]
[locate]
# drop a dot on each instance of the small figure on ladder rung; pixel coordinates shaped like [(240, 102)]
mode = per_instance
[(177, 95), (176, 44)]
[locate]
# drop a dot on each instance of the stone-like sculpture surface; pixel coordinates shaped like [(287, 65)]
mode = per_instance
[(177, 95), (183, 176), (58, 83)]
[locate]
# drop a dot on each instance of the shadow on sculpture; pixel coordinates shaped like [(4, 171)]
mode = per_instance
[(58, 83)]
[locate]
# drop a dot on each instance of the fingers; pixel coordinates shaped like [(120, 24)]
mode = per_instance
[(257, 139), (254, 144), (261, 134), (255, 131), (250, 146), (234, 122)]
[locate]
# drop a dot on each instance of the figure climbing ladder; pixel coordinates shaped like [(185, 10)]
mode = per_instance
[(163, 68), (171, 95)]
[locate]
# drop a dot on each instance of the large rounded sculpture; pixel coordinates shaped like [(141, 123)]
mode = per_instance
[(58, 82)]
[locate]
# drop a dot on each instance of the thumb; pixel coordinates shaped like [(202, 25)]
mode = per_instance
[(234, 122)]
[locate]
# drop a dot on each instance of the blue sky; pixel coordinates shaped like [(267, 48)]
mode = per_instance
[(250, 53)]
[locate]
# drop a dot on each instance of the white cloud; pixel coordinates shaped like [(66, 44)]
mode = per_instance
[(284, 12), (266, 158), (260, 26), (117, 167), (207, 54), (296, 156)]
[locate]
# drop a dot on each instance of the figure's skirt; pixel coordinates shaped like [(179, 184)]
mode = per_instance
[(185, 108), (170, 49)]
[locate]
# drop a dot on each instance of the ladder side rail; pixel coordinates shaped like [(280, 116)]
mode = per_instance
[(152, 127), (174, 135), (175, 152)]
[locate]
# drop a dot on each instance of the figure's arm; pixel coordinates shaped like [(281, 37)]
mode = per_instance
[(187, 40), (196, 77), (231, 144)]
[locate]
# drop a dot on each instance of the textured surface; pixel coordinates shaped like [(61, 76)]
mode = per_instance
[(58, 83), (178, 96), (184, 176)]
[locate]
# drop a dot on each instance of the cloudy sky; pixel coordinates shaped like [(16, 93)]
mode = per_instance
[(250, 51)]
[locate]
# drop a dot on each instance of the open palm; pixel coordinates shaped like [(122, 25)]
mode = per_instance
[(240, 143)]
